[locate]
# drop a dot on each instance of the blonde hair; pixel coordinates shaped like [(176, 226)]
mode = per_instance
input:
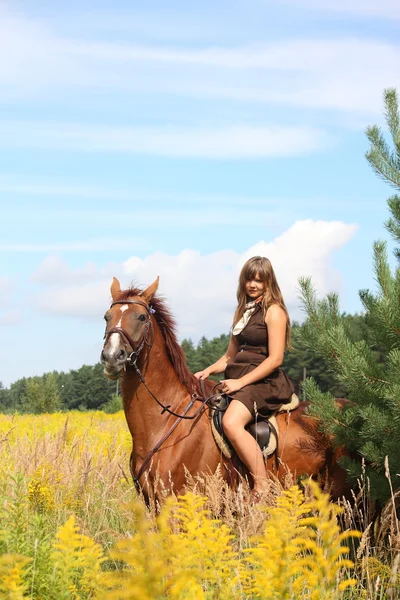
[(260, 267)]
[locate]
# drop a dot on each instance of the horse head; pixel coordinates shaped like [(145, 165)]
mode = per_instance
[(129, 328)]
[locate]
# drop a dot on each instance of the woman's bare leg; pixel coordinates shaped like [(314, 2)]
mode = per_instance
[(236, 417)]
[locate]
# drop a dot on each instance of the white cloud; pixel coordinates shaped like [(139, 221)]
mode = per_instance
[(201, 289), (327, 72), (34, 188), (10, 318), (6, 289), (305, 55), (8, 315), (211, 142), (14, 185), (53, 271), (31, 55), (5, 285), (91, 245)]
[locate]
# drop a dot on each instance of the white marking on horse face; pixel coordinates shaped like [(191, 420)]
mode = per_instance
[(123, 308), (115, 338)]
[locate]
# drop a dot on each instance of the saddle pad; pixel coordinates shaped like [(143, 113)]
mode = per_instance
[(292, 405)]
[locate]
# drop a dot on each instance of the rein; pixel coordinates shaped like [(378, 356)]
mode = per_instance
[(205, 401)]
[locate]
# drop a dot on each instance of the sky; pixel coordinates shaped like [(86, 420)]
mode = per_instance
[(177, 139)]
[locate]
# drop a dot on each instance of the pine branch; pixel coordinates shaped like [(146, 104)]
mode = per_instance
[(393, 223), (393, 116), (381, 158), (385, 308)]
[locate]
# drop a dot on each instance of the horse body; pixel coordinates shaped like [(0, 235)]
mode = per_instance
[(155, 382), (187, 445)]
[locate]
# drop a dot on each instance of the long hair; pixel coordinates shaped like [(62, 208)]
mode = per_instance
[(260, 266)]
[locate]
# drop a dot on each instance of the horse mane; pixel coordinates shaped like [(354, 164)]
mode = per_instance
[(167, 325)]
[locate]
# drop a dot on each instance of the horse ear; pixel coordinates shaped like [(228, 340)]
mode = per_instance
[(115, 289), (151, 290)]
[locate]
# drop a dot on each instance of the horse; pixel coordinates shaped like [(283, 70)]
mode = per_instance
[(167, 413)]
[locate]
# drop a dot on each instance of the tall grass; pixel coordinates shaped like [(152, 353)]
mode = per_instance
[(72, 527)]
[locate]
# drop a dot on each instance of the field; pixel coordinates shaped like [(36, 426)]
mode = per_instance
[(72, 527)]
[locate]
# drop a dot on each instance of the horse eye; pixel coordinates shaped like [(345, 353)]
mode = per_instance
[(142, 318)]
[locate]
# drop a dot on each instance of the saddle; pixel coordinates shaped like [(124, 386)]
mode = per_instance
[(264, 429)]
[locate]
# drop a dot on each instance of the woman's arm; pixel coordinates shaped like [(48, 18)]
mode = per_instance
[(220, 365), (275, 321)]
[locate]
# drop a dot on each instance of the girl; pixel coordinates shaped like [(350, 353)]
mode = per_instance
[(253, 380)]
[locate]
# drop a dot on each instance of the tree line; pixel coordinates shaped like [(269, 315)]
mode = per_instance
[(87, 388)]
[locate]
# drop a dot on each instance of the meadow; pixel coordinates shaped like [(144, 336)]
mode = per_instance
[(73, 527)]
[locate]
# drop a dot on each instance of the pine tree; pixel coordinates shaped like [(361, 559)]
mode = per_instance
[(370, 425)]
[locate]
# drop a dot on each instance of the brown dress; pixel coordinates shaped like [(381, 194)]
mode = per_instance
[(267, 394)]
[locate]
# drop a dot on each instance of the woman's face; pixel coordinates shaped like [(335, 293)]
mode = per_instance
[(254, 288)]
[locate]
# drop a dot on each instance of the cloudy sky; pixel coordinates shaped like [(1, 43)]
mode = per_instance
[(178, 139)]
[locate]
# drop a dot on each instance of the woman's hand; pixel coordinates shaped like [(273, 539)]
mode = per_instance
[(229, 386), (204, 374)]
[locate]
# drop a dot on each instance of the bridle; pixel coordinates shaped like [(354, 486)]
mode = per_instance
[(132, 360)]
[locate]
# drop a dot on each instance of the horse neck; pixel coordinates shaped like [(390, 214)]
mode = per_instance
[(143, 413)]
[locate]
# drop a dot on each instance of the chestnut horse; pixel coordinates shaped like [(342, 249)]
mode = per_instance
[(166, 410)]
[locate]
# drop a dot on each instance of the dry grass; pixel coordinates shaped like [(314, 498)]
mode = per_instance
[(55, 466)]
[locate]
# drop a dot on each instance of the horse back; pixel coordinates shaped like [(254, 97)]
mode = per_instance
[(306, 450)]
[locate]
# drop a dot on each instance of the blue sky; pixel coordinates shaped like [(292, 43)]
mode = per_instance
[(178, 139)]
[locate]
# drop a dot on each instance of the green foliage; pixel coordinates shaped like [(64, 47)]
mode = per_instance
[(368, 368), (205, 353), (384, 160), (383, 310), (370, 425), (16, 398), (13, 515), (3, 397), (87, 388), (83, 389), (42, 394), (307, 361), (114, 405)]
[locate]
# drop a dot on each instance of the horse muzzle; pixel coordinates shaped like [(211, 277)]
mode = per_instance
[(113, 363)]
